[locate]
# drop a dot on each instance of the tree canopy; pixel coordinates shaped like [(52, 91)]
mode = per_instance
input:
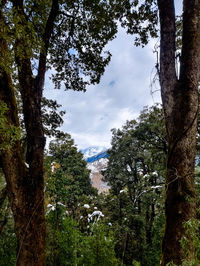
[(136, 175)]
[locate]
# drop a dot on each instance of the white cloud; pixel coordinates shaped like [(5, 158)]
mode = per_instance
[(89, 139), (122, 116), (123, 91)]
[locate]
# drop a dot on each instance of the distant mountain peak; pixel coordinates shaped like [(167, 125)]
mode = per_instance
[(92, 151), (101, 155)]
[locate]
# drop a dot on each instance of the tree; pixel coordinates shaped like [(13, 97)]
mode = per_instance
[(180, 102), (68, 185), (179, 92), (135, 173), (70, 182), (35, 35), (67, 182)]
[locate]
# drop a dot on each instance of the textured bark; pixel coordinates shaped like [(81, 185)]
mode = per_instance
[(26, 200), (3, 196), (25, 194), (25, 183), (180, 102)]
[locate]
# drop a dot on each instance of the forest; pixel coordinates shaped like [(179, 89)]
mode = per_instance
[(50, 214)]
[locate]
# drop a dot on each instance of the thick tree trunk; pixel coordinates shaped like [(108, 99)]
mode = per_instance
[(27, 201), (180, 102), (25, 191), (179, 205), (25, 182)]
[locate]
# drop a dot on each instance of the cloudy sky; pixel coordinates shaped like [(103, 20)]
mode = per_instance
[(123, 91)]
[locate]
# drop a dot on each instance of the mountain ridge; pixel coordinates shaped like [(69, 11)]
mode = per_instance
[(97, 157), (94, 153)]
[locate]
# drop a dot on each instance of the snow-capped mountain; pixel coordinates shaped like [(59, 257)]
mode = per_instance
[(92, 151), (97, 159)]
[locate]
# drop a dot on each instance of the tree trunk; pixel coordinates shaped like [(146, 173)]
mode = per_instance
[(180, 103), (25, 181), (27, 201), (25, 191)]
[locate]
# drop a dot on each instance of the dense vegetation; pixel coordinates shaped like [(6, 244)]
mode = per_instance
[(124, 227)]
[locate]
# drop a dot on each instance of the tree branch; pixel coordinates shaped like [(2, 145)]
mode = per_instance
[(46, 39), (65, 14)]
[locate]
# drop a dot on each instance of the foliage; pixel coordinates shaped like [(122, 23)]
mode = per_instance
[(132, 224), (70, 181), (179, 32), (52, 117), (192, 233), (8, 243), (154, 251), (192, 237), (86, 27), (136, 173), (7, 235), (85, 242), (98, 248), (69, 246), (62, 240), (76, 49), (9, 133), (192, 227), (138, 17)]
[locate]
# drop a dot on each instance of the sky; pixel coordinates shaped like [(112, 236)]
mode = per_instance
[(124, 89)]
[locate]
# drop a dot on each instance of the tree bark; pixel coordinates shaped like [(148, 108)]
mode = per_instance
[(25, 194), (24, 185), (3, 196), (180, 103)]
